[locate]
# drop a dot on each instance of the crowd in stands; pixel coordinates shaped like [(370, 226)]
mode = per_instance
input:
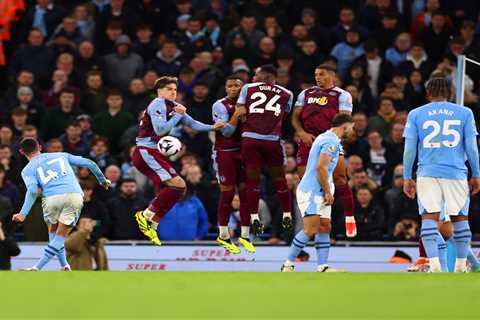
[(78, 75)]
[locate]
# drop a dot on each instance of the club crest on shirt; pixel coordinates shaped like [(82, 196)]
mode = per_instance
[(172, 171), (331, 148)]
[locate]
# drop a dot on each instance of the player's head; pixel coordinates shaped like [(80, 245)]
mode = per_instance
[(343, 125), (233, 85), (325, 75), (438, 88), (166, 87), (265, 73), (29, 147)]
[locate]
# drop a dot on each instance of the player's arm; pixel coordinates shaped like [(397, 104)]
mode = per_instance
[(306, 137), (471, 149), (92, 166), (409, 153), (158, 114), (345, 104), (200, 126), (322, 174), (240, 107), (220, 115), (30, 196)]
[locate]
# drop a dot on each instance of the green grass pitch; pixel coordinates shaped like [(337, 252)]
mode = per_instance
[(228, 296)]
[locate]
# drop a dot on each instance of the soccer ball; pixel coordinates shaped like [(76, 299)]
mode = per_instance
[(169, 147)]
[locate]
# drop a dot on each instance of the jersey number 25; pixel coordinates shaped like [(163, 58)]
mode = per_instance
[(260, 99), (446, 131)]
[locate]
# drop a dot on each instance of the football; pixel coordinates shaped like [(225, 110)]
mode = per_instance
[(169, 146)]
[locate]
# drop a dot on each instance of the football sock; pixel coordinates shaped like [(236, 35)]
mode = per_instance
[(149, 214), (346, 197), (322, 246), (421, 250), (284, 194), (244, 214), (462, 236), (298, 243), (473, 260), (51, 250), (254, 217), (62, 258), (164, 201), (225, 206), (442, 252), (253, 194), (223, 232), (245, 232), (429, 234)]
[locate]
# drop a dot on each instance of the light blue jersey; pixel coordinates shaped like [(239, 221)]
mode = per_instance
[(326, 143), (53, 174), (444, 134)]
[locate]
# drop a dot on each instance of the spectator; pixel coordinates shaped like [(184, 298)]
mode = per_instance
[(394, 146), (117, 11), (35, 56), (361, 179), (137, 98), (95, 96), (436, 36), (415, 90), (24, 78), (77, 245), (9, 191), (290, 165), (376, 161), (358, 76), (213, 31), (72, 140), (85, 22), (346, 23), (266, 52), (6, 135), (398, 53), (59, 83), (112, 122), (114, 174), (18, 121), (347, 51), (8, 248), (56, 119), (369, 216), (122, 209), (424, 19), (27, 102), (123, 65), (248, 28), (307, 60), (100, 152), (382, 121), (393, 93), (187, 220), (168, 60), (54, 145), (417, 59), (201, 188), (354, 163), (85, 123), (385, 35), (45, 16), (69, 31), (316, 31), (106, 41), (186, 81), (144, 45), (87, 61)]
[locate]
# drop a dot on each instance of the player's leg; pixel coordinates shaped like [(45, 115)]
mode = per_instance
[(343, 190), (457, 200), (244, 239), (253, 165), (62, 257), (274, 158), (302, 157), (446, 231), (430, 202), (311, 224)]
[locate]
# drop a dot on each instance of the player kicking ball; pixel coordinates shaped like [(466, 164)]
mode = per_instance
[(315, 193), (62, 197), (444, 134)]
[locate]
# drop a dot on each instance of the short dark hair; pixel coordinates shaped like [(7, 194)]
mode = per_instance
[(439, 87), (234, 76), (126, 180), (162, 82), (97, 139), (92, 73), (29, 146), (269, 68), (67, 90), (341, 119), (359, 170), (114, 92), (327, 66)]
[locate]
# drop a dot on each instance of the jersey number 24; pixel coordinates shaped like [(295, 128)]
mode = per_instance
[(446, 131), (260, 99)]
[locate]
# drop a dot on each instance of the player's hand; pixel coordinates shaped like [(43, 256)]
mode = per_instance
[(106, 184), (18, 217), (180, 109), (241, 111), (350, 226), (474, 185), (410, 188), (306, 137), (219, 125), (328, 199)]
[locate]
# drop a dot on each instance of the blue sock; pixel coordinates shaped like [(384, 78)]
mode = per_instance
[(473, 260), (298, 243), (322, 246), (462, 236), (442, 252), (451, 254), (52, 249), (429, 234), (62, 258)]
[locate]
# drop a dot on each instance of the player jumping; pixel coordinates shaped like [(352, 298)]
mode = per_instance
[(229, 166), (312, 115), (161, 115), (445, 132), (315, 193), (62, 197), (264, 105)]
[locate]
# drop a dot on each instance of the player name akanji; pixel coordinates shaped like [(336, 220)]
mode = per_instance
[(270, 88), (440, 111)]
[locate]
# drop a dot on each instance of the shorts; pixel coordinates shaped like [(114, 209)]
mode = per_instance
[(229, 167), (311, 204), (64, 208), (302, 154), (153, 164), (448, 197), (256, 153)]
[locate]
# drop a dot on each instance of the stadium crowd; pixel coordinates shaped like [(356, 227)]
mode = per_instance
[(77, 75)]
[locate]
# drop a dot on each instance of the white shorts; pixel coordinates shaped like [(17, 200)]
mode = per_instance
[(311, 204), (63, 208), (447, 196)]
